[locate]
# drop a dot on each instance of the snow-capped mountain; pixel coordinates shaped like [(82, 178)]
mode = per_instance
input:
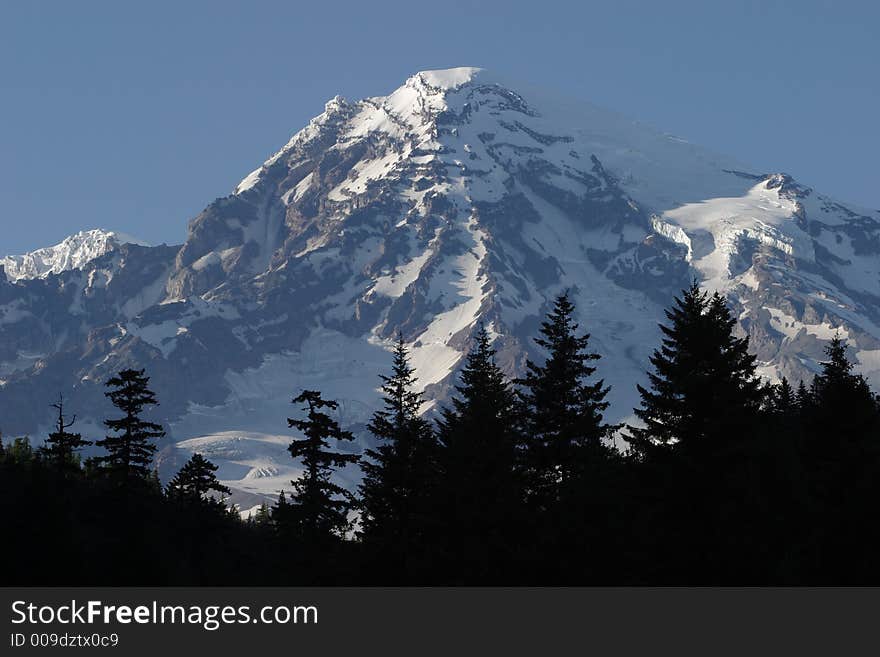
[(459, 198), (73, 253)]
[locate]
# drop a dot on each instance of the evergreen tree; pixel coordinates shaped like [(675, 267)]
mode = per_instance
[(573, 478), (20, 452), (130, 451), (280, 514), (563, 410), (782, 421), (704, 392), (778, 469), (782, 414), (399, 472), (263, 516), (782, 399), (479, 502), (62, 446), (194, 483), (837, 395), (842, 435), (841, 413), (802, 396), (317, 513), (696, 451)]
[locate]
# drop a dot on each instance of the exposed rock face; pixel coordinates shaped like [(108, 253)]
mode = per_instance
[(457, 199)]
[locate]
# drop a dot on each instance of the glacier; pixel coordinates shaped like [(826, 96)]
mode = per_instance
[(459, 198)]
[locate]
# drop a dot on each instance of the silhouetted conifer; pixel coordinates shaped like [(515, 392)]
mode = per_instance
[(840, 397), (195, 482), (129, 448), (703, 390), (263, 517), (280, 514), (62, 446), (842, 433), (782, 399), (563, 409), (481, 492), (399, 473), (572, 478), (802, 395), (698, 443), (20, 452), (318, 511)]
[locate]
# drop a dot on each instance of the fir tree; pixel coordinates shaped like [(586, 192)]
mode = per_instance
[(482, 490), (841, 413), (263, 517), (698, 446), (399, 472), (703, 391), (842, 435), (62, 446), (782, 399), (783, 412), (280, 514), (195, 482), (317, 513), (782, 421), (838, 396), (802, 396), (563, 409), (573, 478), (130, 450)]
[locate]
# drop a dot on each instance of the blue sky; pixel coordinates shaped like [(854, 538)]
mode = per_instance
[(133, 116)]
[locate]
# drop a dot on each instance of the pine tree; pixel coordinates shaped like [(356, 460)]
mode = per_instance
[(482, 488), (62, 446), (704, 391), (317, 513), (194, 483), (562, 409), (399, 472), (130, 451)]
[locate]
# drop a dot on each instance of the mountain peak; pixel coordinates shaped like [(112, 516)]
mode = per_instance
[(73, 252), (458, 198), (448, 78)]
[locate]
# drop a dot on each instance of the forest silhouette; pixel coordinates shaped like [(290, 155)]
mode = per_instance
[(725, 479)]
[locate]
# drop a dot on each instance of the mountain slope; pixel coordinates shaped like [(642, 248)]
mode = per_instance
[(457, 199)]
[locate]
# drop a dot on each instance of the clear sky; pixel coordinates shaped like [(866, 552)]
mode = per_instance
[(134, 115)]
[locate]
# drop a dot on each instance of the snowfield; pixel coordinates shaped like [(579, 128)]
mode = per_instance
[(457, 199)]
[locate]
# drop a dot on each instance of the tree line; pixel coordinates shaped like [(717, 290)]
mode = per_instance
[(724, 479)]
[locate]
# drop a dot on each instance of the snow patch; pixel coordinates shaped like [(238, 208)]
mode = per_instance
[(75, 252), (249, 181)]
